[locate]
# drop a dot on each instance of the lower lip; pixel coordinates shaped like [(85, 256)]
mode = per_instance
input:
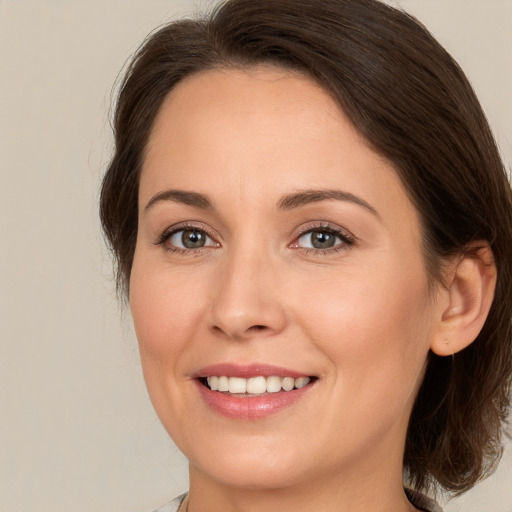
[(250, 407)]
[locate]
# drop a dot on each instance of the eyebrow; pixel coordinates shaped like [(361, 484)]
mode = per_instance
[(181, 196), (302, 198), (287, 202)]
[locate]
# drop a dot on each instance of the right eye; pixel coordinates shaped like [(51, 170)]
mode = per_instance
[(189, 239)]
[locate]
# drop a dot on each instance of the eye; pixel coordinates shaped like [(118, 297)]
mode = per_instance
[(318, 240), (186, 239), (190, 239), (323, 239)]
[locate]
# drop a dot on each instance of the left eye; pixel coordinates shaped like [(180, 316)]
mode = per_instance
[(319, 239), (190, 239)]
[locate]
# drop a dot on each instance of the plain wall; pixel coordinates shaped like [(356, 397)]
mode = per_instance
[(77, 431)]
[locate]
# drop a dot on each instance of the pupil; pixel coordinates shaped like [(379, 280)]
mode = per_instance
[(322, 240), (193, 239)]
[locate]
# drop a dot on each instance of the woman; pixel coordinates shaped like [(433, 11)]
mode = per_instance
[(313, 225)]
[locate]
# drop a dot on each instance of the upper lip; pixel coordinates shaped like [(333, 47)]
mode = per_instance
[(247, 370)]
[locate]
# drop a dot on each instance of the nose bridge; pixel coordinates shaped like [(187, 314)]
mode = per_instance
[(247, 300)]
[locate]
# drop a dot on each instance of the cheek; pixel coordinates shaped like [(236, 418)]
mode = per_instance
[(165, 309), (357, 301), (374, 327)]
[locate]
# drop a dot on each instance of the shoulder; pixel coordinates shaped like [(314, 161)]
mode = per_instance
[(418, 499), (173, 505), (422, 502)]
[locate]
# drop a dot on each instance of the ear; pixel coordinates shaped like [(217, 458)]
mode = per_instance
[(466, 301)]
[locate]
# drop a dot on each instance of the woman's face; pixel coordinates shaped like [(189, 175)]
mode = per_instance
[(276, 249)]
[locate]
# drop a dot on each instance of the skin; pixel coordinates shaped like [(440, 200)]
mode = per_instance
[(361, 318)]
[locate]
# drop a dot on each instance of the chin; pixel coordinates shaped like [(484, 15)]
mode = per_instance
[(249, 465)]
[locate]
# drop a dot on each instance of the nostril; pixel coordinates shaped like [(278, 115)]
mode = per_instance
[(252, 328)]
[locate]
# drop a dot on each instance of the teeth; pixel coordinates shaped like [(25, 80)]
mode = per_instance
[(223, 384), (237, 385), (273, 384), (213, 382), (301, 382), (256, 385), (288, 383)]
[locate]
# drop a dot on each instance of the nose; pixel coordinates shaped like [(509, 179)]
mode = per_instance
[(248, 302)]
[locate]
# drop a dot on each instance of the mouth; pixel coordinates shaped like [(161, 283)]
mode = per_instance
[(256, 386), (251, 391)]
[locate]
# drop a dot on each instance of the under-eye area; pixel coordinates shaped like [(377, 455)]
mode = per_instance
[(255, 386)]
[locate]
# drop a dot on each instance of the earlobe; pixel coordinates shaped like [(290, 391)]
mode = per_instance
[(469, 293)]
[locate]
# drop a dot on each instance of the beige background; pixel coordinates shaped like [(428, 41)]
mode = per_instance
[(77, 432)]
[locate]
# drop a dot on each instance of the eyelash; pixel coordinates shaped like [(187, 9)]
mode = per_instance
[(347, 239), (169, 233)]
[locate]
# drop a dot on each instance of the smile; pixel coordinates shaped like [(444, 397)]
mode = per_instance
[(251, 393), (254, 386)]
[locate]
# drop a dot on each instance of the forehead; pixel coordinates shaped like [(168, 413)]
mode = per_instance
[(264, 97), (258, 132)]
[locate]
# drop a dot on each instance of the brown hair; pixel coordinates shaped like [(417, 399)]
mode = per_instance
[(410, 100)]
